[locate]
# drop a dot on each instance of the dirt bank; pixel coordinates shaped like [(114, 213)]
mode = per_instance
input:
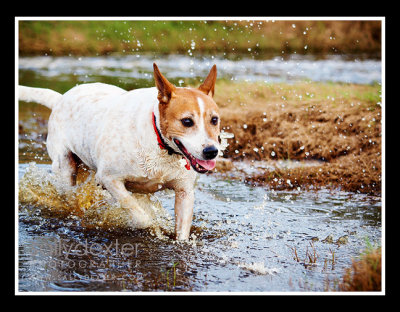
[(338, 124)]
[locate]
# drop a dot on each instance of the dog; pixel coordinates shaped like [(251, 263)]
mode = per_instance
[(150, 138)]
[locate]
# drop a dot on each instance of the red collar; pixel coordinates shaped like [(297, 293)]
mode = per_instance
[(160, 141), (162, 144)]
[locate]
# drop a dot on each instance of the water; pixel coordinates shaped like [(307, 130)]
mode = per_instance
[(243, 239), (136, 70)]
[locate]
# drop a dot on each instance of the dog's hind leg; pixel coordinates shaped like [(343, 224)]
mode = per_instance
[(117, 189), (65, 165)]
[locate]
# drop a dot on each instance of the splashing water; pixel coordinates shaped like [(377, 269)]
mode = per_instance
[(42, 192), (258, 268)]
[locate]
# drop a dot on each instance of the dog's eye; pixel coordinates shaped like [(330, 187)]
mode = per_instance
[(214, 120), (187, 122)]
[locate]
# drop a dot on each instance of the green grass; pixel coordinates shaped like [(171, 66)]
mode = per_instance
[(128, 36), (254, 37)]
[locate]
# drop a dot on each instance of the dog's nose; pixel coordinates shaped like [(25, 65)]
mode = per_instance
[(210, 152)]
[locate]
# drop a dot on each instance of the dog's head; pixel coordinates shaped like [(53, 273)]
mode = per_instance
[(189, 119)]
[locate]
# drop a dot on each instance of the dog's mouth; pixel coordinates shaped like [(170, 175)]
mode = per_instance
[(201, 166)]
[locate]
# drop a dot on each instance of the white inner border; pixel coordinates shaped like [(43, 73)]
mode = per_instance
[(196, 18)]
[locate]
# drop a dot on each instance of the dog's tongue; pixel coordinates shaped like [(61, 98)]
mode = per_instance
[(207, 164)]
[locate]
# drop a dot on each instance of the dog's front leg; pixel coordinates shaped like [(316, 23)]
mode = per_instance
[(184, 201)]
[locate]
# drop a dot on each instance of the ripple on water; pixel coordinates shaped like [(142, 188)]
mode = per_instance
[(243, 239)]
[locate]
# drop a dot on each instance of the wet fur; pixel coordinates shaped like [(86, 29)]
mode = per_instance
[(110, 130)]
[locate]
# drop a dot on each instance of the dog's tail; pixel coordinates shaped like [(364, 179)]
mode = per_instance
[(46, 97)]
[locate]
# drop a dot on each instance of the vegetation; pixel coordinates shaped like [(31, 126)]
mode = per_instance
[(365, 273), (97, 37)]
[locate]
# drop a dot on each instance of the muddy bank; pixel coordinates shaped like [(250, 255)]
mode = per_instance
[(339, 125)]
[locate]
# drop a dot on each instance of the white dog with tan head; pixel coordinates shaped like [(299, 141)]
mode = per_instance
[(150, 138)]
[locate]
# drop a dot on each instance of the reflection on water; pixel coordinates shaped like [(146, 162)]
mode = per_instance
[(242, 240)]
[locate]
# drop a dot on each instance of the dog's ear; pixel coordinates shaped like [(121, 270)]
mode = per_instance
[(209, 83), (165, 88)]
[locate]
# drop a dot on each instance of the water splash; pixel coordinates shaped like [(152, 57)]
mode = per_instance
[(42, 193), (258, 268)]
